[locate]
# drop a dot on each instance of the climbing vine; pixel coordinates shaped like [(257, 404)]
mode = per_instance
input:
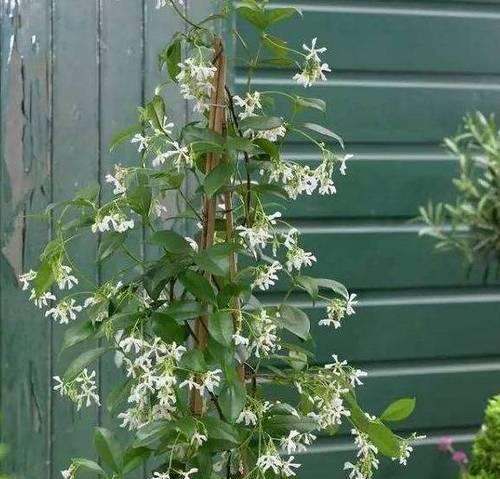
[(219, 381)]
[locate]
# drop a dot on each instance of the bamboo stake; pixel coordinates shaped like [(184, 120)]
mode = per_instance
[(216, 124)]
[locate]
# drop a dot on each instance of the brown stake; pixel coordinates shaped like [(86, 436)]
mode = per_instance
[(216, 124)]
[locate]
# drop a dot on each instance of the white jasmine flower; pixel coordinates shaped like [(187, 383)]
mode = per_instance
[(210, 380), (265, 338), (69, 473), (350, 304), (64, 311), (26, 279), (266, 276), (60, 386), (287, 467), (190, 382), (249, 104), (166, 3), (313, 69), (272, 135), (259, 233), (335, 311), (195, 81), (121, 223), (180, 154), (42, 299), (118, 180), (405, 454), (248, 417), (270, 461), (292, 442), (198, 439), (186, 475), (239, 340), (159, 209), (355, 471), (63, 276), (101, 224), (88, 389), (355, 375), (161, 475), (343, 166), (141, 140)]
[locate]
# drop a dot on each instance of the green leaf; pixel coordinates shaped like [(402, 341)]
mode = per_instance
[(276, 45), (44, 277), (295, 320), (88, 465), (125, 135), (380, 435), (82, 361), (220, 430), (309, 284), (324, 131), (155, 112), (184, 310), (335, 286), (237, 143), (152, 432), (174, 58), (260, 123), (284, 423), (218, 177), (173, 242), (213, 264), (220, 327), (110, 242), (139, 194), (108, 449), (135, 457), (232, 398), (193, 360), (198, 286), (399, 410), (275, 15), (167, 328), (315, 103), (78, 332), (118, 394), (255, 17)]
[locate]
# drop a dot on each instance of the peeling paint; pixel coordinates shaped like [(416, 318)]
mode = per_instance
[(16, 179)]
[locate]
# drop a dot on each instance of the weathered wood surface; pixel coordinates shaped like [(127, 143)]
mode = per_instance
[(72, 74)]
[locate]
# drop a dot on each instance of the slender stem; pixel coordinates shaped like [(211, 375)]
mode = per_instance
[(183, 16)]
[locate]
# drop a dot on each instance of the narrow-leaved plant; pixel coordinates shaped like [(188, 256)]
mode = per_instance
[(471, 225), (217, 382)]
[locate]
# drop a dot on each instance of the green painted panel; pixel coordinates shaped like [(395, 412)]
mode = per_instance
[(399, 36), (404, 184), (380, 256), (75, 165), (121, 58), (393, 110), (417, 327), (24, 190)]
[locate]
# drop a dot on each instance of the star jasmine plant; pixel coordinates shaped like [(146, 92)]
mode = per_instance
[(220, 378)]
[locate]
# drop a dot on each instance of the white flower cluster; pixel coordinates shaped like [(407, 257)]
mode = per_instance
[(195, 81), (367, 460), (250, 103), (271, 460), (300, 179), (260, 233), (168, 3), (153, 374), (101, 297), (117, 221), (266, 275), (297, 441), (182, 156), (296, 257), (82, 390), (313, 68), (118, 179), (337, 309), (264, 332)]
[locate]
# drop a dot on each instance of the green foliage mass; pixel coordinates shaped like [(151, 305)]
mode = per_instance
[(485, 461)]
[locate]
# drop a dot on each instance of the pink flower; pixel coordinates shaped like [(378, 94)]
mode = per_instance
[(460, 457), (445, 443)]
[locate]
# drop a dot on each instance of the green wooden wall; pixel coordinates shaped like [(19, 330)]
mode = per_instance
[(404, 74)]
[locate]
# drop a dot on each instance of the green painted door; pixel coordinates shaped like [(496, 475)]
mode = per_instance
[(72, 72)]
